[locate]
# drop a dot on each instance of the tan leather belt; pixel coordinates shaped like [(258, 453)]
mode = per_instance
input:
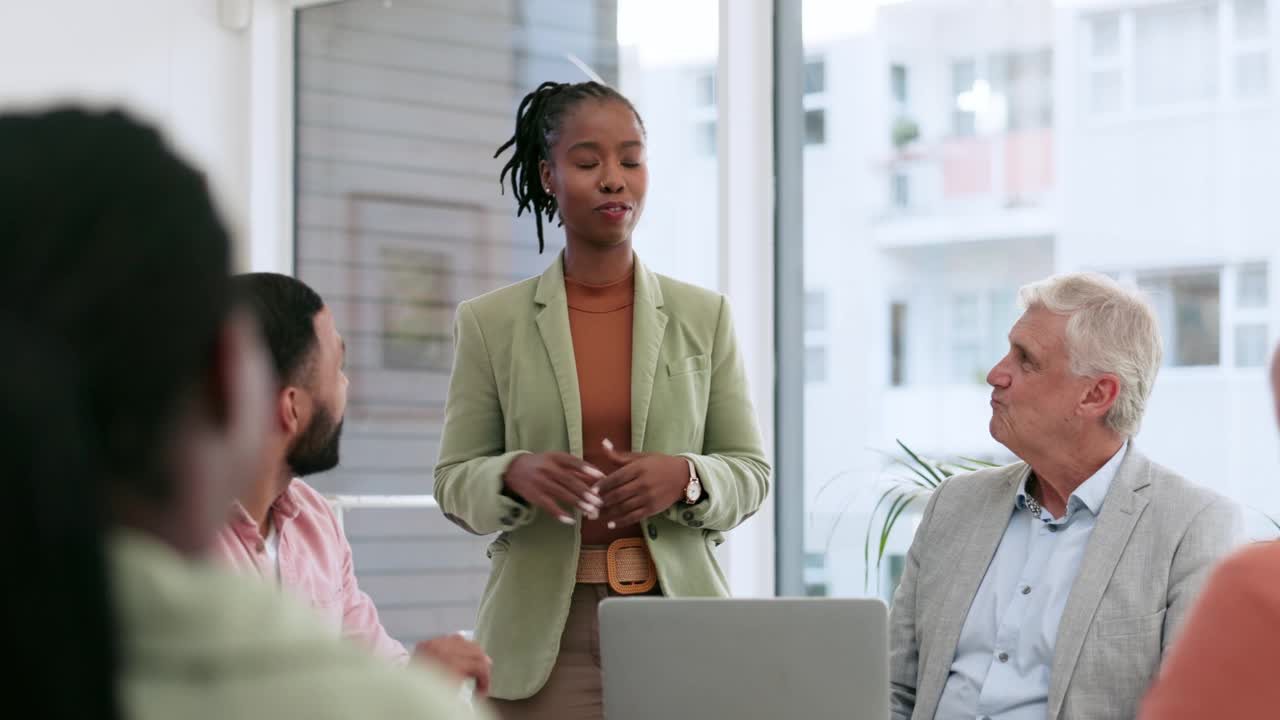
[(626, 565)]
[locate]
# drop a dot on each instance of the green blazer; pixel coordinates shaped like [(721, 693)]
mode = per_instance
[(515, 389)]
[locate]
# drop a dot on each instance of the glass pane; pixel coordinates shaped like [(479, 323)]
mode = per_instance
[(898, 344), (1106, 91), (815, 310), (1251, 287), (705, 89), (706, 138), (1253, 74), (1104, 36), (815, 77), (898, 83), (1251, 345), (399, 216), (1188, 307), (901, 190), (964, 79), (1251, 19), (1176, 53), (815, 127), (815, 364)]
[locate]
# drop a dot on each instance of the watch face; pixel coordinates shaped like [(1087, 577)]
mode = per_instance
[(693, 491)]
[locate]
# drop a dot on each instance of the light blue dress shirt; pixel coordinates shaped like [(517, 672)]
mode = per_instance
[(1002, 660)]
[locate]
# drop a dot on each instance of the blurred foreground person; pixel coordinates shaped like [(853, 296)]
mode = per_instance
[(134, 411), (1224, 664)]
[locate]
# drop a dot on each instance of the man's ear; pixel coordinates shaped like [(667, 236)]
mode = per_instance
[(1100, 396), (287, 413)]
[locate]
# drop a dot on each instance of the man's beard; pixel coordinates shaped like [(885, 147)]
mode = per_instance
[(316, 449)]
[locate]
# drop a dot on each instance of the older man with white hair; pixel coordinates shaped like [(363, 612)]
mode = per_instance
[(1052, 587)]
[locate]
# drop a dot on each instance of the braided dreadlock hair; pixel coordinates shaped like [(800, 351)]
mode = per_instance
[(538, 121)]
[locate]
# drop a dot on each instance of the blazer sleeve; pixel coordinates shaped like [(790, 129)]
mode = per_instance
[(732, 466), (473, 456), (1213, 533), (904, 643)]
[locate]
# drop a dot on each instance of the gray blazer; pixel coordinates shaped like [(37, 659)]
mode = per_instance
[(1155, 542)]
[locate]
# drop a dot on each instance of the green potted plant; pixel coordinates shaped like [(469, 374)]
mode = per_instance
[(923, 476)]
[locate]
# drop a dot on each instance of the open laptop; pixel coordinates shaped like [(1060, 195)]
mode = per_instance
[(812, 658)]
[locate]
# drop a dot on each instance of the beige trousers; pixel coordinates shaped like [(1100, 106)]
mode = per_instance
[(575, 689)]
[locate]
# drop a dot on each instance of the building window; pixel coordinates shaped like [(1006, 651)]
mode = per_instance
[(898, 84), (1251, 345), (898, 344), (704, 88), (978, 324), (964, 85), (815, 310), (706, 138), (1025, 79), (1173, 54), (815, 127), (966, 338), (815, 364), (815, 77), (1250, 316), (815, 102), (1252, 50), (1105, 64), (1176, 54), (704, 113), (815, 574), (1188, 307), (900, 190)]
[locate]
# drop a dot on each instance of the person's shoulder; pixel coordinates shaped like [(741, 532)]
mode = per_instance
[(194, 635), (684, 295), (973, 483), (959, 498), (1173, 495), (501, 301)]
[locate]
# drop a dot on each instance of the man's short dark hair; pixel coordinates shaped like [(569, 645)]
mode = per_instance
[(285, 308)]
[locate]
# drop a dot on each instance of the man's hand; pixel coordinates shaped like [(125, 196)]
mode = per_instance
[(459, 656)]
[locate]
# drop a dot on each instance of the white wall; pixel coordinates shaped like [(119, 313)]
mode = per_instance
[(168, 61)]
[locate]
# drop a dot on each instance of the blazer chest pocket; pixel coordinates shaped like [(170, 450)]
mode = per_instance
[(1124, 627), (697, 363)]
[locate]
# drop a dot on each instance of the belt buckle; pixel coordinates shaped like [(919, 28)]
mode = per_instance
[(630, 587)]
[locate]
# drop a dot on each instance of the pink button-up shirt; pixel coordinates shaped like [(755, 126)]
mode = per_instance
[(315, 564)]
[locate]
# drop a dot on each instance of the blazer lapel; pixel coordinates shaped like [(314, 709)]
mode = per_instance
[(648, 326), (1120, 512), (553, 325), (971, 567)]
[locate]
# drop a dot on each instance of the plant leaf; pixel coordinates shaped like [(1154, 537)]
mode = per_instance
[(866, 544), (938, 479), (895, 511)]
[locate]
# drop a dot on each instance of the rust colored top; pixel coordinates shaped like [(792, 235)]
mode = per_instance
[(600, 323)]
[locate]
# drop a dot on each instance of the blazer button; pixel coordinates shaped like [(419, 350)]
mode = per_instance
[(653, 531), (688, 515)]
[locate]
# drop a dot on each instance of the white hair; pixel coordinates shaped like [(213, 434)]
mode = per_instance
[(1110, 329)]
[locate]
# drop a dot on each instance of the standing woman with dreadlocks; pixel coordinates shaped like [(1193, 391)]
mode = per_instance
[(598, 415)]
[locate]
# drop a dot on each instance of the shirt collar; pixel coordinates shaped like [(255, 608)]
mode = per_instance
[(1091, 493), (285, 507)]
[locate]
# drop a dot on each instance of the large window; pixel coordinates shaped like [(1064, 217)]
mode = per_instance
[(399, 108), (1171, 56), (986, 145)]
